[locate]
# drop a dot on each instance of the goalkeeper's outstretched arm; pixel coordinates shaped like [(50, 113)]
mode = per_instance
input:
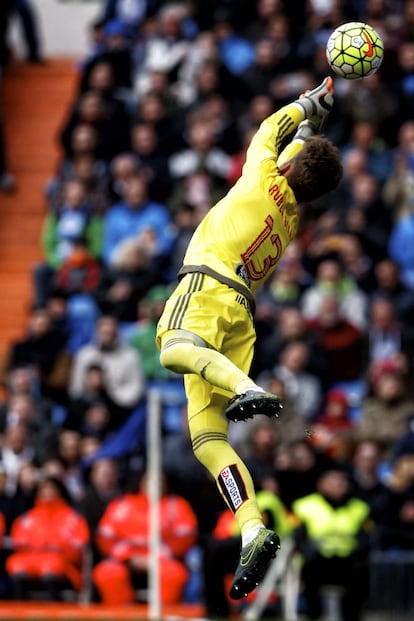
[(311, 106)]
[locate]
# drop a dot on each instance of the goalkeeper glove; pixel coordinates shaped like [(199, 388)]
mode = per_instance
[(318, 102), (307, 128)]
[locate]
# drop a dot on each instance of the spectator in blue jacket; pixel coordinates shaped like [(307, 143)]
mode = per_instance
[(401, 248), (133, 216)]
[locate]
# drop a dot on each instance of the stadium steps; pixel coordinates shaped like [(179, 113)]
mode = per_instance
[(35, 101)]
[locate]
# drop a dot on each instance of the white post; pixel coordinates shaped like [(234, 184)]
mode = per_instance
[(154, 493)]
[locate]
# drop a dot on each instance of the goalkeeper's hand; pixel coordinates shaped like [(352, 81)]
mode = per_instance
[(308, 127), (318, 102)]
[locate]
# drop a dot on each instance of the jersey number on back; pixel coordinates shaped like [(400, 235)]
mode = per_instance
[(256, 266)]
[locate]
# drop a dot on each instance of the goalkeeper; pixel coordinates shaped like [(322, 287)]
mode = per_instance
[(206, 331)]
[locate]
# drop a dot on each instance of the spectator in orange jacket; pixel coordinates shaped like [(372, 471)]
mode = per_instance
[(48, 542), (122, 538)]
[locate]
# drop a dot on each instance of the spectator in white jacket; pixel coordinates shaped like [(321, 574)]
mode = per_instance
[(120, 362)]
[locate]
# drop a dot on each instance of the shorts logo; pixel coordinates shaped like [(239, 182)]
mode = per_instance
[(240, 299), (232, 486)]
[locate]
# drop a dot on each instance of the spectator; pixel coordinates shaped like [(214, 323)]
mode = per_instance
[(201, 154), (133, 216), (23, 381), (72, 223), (266, 10), (396, 529), (330, 278), (299, 470), (366, 477), (101, 79), (370, 101), (16, 451), (401, 247), (405, 444), (400, 84), (5, 14), (152, 110), (185, 222), (133, 15), (141, 335), (340, 339), (94, 393), (235, 51), (268, 61), (291, 326), (386, 407), (304, 390), (8, 506), (123, 540), (355, 163), (67, 466), (398, 187), (48, 541), (167, 47), (24, 497), (114, 49), (292, 425), (83, 167), (197, 190), (208, 75), (387, 337), (366, 206), (333, 539), (27, 410), (218, 110), (123, 167), (7, 182), (356, 262), (152, 162), (365, 134), (130, 275), (79, 272), (261, 444), (121, 365), (112, 128), (43, 349), (249, 119), (27, 15), (83, 144), (388, 284), (102, 487), (333, 426)]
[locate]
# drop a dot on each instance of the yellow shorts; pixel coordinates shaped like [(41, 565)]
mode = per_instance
[(221, 317)]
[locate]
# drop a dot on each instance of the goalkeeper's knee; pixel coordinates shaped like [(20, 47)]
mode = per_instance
[(177, 351)]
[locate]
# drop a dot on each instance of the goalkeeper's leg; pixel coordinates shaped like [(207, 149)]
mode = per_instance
[(185, 352), (208, 430)]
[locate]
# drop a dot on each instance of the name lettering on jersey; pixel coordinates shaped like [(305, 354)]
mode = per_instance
[(258, 267), (276, 194), (232, 486)]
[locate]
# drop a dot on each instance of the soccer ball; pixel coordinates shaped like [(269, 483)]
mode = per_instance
[(354, 50)]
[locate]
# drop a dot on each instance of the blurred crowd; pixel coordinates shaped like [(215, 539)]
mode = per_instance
[(167, 99)]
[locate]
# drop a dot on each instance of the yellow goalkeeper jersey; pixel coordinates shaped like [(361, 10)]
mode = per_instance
[(243, 236)]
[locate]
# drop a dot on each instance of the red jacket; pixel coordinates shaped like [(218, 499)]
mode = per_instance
[(51, 526), (123, 529)]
